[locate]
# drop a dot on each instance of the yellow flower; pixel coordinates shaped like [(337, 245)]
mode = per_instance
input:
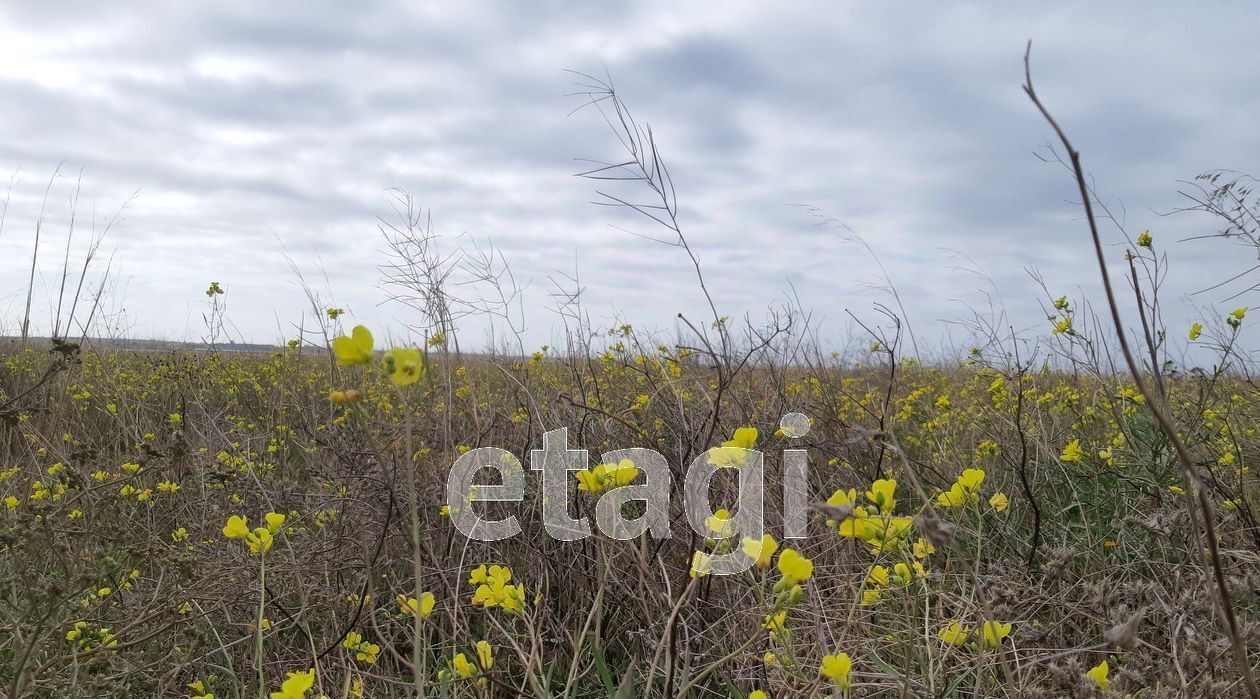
[(363, 650), (744, 438), (993, 632), (758, 694), (923, 548), (236, 528), (730, 454), (1072, 453), (877, 577), (964, 491), (296, 686), (462, 667), (1144, 239), (762, 550), (1195, 331), (881, 533), (423, 607), (882, 494), (11, 502), (259, 540), (776, 624), (954, 633), (701, 564), (355, 349), (794, 566), (842, 499), (485, 655), (405, 366), (954, 497), (971, 479), (493, 589), (1098, 674), (836, 668), (607, 476), (999, 502), (495, 573), (720, 525), (275, 520)]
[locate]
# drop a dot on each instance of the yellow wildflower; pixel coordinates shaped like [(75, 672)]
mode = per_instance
[(1098, 674), (423, 607), (1072, 453), (355, 349), (720, 525), (992, 633), (999, 502), (604, 477), (794, 566), (731, 453), (462, 667), (954, 633), (296, 686), (485, 655), (405, 366), (701, 564), (923, 548), (761, 550), (882, 494), (836, 668)]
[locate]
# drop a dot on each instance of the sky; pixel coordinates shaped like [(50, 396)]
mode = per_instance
[(248, 142)]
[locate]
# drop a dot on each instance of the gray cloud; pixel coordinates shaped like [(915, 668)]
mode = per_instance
[(248, 127)]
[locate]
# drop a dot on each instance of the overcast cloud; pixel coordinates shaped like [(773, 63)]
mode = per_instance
[(250, 127)]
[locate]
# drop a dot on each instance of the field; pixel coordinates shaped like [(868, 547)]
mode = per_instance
[(988, 528)]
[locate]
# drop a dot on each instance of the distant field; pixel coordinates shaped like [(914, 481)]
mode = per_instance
[(139, 345)]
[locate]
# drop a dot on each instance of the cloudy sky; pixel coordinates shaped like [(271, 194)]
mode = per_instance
[(249, 129)]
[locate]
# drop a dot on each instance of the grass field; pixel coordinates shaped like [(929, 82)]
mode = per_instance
[(1052, 531)]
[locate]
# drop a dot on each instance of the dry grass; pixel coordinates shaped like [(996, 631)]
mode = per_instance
[(257, 434)]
